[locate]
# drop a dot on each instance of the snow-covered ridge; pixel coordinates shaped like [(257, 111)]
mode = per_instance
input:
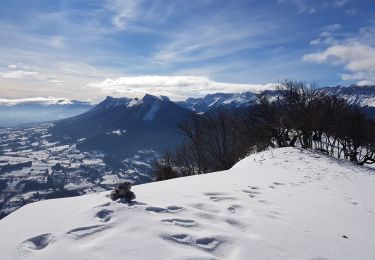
[(211, 101), (356, 95), (111, 102), (279, 204)]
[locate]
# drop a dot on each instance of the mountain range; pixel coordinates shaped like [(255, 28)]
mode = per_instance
[(123, 126), (116, 140), (15, 112), (362, 96)]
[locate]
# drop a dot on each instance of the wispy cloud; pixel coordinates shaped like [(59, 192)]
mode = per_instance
[(329, 35), (20, 74), (214, 37), (313, 6), (340, 3), (303, 6), (124, 11)]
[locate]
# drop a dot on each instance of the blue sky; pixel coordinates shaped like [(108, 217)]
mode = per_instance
[(89, 49)]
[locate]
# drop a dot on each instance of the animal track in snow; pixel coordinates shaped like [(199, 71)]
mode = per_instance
[(169, 209), (82, 232), (180, 222), (104, 215), (38, 242), (206, 243)]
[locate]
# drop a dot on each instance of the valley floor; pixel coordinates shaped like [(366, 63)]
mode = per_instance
[(280, 204)]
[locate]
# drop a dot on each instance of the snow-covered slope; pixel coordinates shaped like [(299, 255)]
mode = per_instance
[(279, 204)]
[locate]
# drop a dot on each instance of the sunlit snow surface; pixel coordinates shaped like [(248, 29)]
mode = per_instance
[(279, 204)]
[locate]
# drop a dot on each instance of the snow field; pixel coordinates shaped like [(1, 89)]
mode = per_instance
[(279, 204)]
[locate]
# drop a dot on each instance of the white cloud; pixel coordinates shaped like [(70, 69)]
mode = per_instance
[(355, 57), (356, 54), (39, 100), (175, 87)]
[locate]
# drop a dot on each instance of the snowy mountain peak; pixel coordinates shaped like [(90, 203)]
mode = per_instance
[(147, 98), (111, 102)]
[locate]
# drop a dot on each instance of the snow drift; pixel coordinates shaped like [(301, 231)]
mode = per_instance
[(279, 204)]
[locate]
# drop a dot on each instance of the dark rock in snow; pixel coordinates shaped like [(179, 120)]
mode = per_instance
[(123, 192)]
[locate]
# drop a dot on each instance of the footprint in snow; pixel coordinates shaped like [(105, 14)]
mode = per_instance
[(205, 243), (104, 215), (218, 196), (38, 242), (169, 209), (82, 232), (180, 222)]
